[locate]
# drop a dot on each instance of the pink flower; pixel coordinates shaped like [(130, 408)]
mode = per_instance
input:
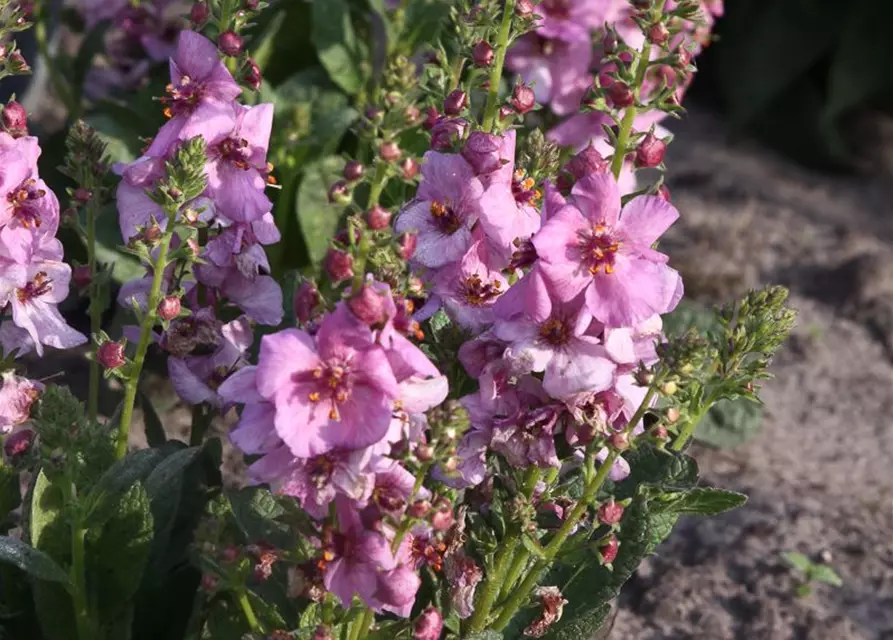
[(572, 20), (469, 288), (550, 336), (591, 246), (201, 92), (16, 398), (317, 481), (558, 70), (527, 436), (329, 393), (34, 291), (446, 206)]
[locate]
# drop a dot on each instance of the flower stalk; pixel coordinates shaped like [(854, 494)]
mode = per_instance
[(501, 48)]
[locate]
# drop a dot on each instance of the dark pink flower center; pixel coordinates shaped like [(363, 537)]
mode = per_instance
[(426, 550), (332, 382), (478, 293), (524, 189), (236, 152), (599, 249), (560, 9), (445, 217), (320, 470), (40, 285), (555, 331), (23, 200), (183, 98), (388, 496)]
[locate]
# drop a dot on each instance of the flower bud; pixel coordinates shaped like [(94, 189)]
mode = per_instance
[(15, 118), (305, 301), (424, 452), (353, 171), (169, 308), (620, 95), (650, 151), (18, 444), (209, 582), (481, 151), (644, 377), (322, 633), (609, 550), (610, 513), (669, 388), (428, 626), (378, 218), (339, 265), (482, 54), (230, 44), (407, 245), (18, 63), (389, 151), (658, 33), (432, 115), (523, 98), (619, 441), (419, 509), (660, 432), (673, 415), (111, 355), (412, 114), (588, 161), (609, 43), (199, 13), (409, 168), (251, 5), (443, 518), (252, 76), (82, 276), (369, 306), (339, 193), (524, 8), (455, 103)]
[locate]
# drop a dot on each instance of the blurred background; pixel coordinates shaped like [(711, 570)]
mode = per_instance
[(783, 172)]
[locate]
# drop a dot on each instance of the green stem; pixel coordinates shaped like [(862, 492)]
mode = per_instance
[(139, 359), (95, 310), (375, 190), (78, 572), (692, 423), (407, 523), (502, 44), (361, 625), (517, 567), (248, 612), (456, 75)]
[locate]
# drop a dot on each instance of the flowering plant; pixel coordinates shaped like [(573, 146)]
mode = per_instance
[(461, 418)]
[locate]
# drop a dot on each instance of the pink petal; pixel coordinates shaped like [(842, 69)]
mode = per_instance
[(598, 197), (645, 219), (582, 366), (633, 293), (282, 355)]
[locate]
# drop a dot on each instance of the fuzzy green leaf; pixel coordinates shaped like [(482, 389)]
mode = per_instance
[(318, 218), (255, 510), (102, 501), (33, 562), (336, 43), (705, 501)]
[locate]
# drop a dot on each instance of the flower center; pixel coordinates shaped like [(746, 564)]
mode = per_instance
[(181, 99), (388, 498), (599, 249), (332, 385), (23, 199), (555, 332), (524, 189), (320, 470), (445, 217), (479, 293), (560, 9), (428, 551), (40, 285), (236, 152)]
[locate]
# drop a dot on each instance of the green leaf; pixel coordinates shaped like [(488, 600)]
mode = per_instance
[(730, 423), (706, 501), (10, 495), (798, 561), (33, 562), (424, 21), (255, 510), (155, 434), (651, 467), (336, 43), (117, 553), (825, 574), (488, 634), (102, 501), (690, 315), (317, 218)]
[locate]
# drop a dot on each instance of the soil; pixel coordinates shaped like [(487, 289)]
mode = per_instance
[(820, 472)]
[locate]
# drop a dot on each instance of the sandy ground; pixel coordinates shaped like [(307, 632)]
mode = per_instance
[(820, 473)]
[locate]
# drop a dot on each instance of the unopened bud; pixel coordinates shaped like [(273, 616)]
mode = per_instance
[(251, 5), (409, 168), (15, 118), (455, 103), (523, 98), (305, 301), (378, 218), (431, 118), (230, 554), (82, 276), (660, 432), (339, 265), (111, 355), (424, 452), (619, 441), (230, 44), (18, 63), (610, 513), (609, 43), (407, 245), (369, 306), (169, 308), (199, 13), (428, 626), (608, 551), (483, 54), (353, 171), (322, 632), (672, 415), (443, 518), (251, 76), (339, 193), (669, 388), (620, 95), (389, 151), (644, 377), (650, 151), (524, 8), (658, 33), (18, 444)]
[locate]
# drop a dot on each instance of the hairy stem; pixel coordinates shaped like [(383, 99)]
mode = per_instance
[(95, 310), (360, 627), (146, 327), (78, 571), (245, 605), (502, 44)]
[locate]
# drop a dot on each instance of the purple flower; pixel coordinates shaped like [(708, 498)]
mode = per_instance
[(463, 575), (573, 20), (527, 437), (355, 558), (397, 590), (590, 246), (318, 480), (550, 336), (329, 392), (469, 288), (201, 92), (392, 490), (446, 206), (557, 70), (34, 291), (16, 398)]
